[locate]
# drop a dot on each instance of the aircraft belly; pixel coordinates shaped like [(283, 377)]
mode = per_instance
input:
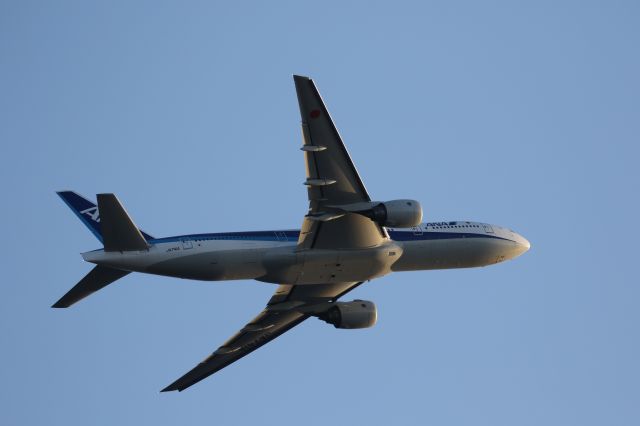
[(319, 266), (216, 265), (458, 253)]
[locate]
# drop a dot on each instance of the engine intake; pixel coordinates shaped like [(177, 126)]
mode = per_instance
[(395, 213), (355, 314)]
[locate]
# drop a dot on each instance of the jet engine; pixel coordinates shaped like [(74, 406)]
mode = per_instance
[(395, 213), (355, 314)]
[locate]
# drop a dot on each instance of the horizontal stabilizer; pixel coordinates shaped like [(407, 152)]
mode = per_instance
[(119, 233), (98, 278)]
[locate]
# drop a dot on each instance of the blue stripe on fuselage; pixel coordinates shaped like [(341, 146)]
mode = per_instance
[(292, 236), (435, 235), (288, 235)]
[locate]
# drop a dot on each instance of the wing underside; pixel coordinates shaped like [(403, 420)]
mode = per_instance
[(289, 306), (332, 180)]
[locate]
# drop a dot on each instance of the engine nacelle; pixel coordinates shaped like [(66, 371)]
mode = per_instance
[(396, 213), (355, 314)]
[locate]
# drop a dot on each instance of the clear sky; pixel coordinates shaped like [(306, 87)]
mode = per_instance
[(523, 114)]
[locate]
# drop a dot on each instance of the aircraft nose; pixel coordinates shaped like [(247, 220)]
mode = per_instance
[(523, 245)]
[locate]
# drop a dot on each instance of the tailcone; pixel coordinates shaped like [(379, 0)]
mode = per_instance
[(94, 256)]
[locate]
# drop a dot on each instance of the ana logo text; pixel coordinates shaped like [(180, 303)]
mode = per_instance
[(93, 213)]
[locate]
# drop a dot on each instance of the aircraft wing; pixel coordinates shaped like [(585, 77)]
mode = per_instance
[(332, 180), (288, 307)]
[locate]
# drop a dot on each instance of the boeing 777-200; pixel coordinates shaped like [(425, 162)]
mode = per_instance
[(345, 240)]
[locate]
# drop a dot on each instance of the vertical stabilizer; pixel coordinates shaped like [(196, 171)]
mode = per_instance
[(86, 211)]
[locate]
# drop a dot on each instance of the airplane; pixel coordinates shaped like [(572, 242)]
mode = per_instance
[(345, 240)]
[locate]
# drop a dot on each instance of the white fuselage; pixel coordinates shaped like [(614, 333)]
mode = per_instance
[(271, 256)]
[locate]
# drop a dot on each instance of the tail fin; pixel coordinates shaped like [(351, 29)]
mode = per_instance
[(88, 213), (85, 210), (99, 277)]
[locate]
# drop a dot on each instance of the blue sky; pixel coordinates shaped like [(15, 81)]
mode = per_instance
[(523, 114)]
